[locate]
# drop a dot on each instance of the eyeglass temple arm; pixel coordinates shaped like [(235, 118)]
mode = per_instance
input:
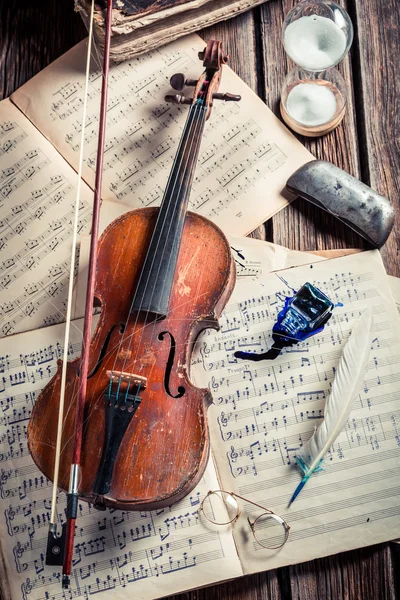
[(253, 503)]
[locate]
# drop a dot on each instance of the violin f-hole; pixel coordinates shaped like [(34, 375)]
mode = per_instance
[(104, 347), (169, 366)]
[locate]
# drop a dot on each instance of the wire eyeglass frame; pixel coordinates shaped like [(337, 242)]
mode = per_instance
[(252, 524)]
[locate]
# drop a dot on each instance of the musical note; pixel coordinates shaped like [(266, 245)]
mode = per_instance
[(139, 546), (264, 412)]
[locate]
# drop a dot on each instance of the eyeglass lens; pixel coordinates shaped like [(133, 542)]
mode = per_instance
[(270, 531), (220, 508)]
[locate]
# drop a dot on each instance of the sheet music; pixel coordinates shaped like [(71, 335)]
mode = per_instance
[(245, 158), (264, 411), (394, 283), (37, 193), (151, 554)]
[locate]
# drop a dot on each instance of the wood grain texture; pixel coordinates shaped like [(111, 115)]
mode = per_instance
[(376, 66), (32, 35), (366, 145), (302, 226)]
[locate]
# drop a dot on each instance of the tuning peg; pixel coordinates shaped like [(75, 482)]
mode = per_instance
[(227, 97), (179, 81), (178, 99)]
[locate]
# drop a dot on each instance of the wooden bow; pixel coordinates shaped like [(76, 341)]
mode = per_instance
[(60, 549)]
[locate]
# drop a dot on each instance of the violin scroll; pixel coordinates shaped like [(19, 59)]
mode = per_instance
[(212, 56)]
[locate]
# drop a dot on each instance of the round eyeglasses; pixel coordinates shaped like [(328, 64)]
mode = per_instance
[(221, 508)]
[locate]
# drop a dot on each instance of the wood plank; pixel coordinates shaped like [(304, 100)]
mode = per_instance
[(262, 586), (302, 226), (377, 69), (365, 574), (32, 36)]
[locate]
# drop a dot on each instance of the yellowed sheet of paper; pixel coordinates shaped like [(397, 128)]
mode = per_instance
[(263, 412), (394, 283), (245, 158), (37, 195), (137, 554)]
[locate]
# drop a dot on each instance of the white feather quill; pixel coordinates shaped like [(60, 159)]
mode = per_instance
[(345, 387)]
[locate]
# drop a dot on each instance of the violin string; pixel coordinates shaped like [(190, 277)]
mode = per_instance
[(94, 403), (184, 140), (191, 138), (197, 141), (193, 152), (191, 120), (130, 337), (71, 279)]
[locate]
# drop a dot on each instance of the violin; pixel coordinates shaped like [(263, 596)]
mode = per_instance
[(161, 277)]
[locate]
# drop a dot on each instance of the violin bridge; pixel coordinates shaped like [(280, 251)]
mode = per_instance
[(121, 403), (130, 378)]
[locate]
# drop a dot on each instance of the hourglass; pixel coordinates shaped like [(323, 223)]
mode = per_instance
[(316, 36)]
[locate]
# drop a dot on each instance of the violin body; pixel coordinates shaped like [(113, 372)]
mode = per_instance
[(162, 447)]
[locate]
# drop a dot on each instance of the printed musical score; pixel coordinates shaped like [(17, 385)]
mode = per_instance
[(240, 158), (263, 412), (162, 551), (255, 259), (37, 194)]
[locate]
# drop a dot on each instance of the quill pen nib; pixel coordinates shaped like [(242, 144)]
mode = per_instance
[(298, 489)]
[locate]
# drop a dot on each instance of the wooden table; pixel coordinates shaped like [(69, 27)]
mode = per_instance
[(366, 144)]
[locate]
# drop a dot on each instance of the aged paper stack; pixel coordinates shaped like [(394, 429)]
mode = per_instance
[(142, 26), (261, 412)]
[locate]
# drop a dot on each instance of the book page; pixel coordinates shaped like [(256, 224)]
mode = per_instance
[(264, 411), (246, 155), (151, 554), (37, 197)]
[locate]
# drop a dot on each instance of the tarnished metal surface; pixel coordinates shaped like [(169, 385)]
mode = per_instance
[(357, 205)]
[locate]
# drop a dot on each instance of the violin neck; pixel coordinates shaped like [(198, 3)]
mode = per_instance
[(154, 288)]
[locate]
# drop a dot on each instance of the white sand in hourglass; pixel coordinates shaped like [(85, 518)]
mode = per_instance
[(311, 104), (315, 42)]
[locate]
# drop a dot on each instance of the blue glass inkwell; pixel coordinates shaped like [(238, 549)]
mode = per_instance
[(302, 316)]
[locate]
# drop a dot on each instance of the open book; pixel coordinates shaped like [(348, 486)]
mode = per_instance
[(142, 26), (262, 413), (245, 159)]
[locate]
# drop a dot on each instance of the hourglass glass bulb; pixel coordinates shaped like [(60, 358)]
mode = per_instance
[(313, 103), (317, 35)]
